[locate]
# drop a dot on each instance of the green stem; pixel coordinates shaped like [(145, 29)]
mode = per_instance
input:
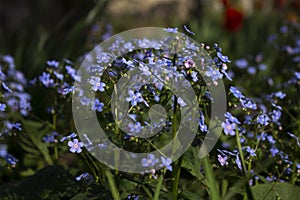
[(55, 152), (212, 184), (238, 141), (294, 176), (91, 167), (112, 185), (54, 122), (176, 165), (147, 191), (158, 187), (246, 172), (176, 177)]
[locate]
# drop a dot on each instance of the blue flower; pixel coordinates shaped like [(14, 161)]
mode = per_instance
[(85, 101), (187, 30), (276, 114), (52, 63), (263, 119), (97, 105), (284, 29), (8, 59), (248, 119), (171, 30), (238, 161), (262, 67), (86, 177), (276, 106), (10, 159), (295, 137), (217, 48), (51, 138), (134, 98), (251, 70), (75, 146), (280, 94), (180, 101), (103, 58), (129, 46), (166, 162), (2, 106), (3, 150), (59, 76), (133, 197), (70, 70), (229, 128), (228, 76), (241, 63), (274, 151), (222, 159), (246, 103), (6, 87), (236, 92), (97, 84), (156, 98), (2, 75), (231, 118), (194, 76), (214, 74), (24, 106), (46, 80), (135, 128), (202, 124), (297, 74), (71, 136), (250, 151), (271, 139), (223, 58), (150, 161), (10, 126), (68, 90)]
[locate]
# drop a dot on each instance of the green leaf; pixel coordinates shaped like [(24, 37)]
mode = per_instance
[(35, 132), (192, 163), (284, 191), (195, 189), (190, 195), (83, 196), (52, 182), (212, 183)]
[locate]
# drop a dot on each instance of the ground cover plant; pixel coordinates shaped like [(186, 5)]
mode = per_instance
[(139, 91)]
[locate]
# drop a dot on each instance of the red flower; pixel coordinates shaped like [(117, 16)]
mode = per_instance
[(233, 19)]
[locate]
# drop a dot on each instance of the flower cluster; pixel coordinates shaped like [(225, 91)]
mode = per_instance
[(59, 77), (138, 98), (14, 102), (148, 68), (263, 126)]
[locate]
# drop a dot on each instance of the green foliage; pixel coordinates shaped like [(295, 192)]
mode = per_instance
[(32, 142), (52, 182), (280, 191)]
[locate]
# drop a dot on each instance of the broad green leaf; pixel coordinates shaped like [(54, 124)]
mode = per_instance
[(190, 195), (35, 131), (284, 191), (192, 163)]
